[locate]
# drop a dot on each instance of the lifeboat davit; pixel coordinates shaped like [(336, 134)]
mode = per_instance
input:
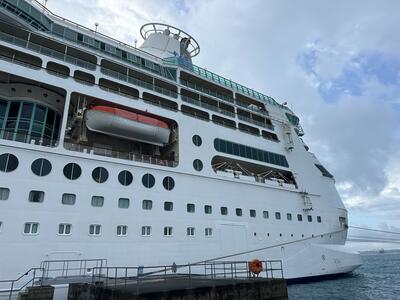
[(127, 125)]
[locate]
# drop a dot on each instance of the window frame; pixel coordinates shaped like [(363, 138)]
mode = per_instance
[(64, 226), (95, 226), (121, 229), (31, 227)]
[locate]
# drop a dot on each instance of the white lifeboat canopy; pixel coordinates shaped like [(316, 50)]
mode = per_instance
[(165, 41), (127, 125)]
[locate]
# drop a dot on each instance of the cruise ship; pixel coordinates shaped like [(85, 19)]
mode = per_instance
[(138, 156)]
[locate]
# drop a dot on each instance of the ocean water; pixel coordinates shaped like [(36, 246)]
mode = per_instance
[(377, 278)]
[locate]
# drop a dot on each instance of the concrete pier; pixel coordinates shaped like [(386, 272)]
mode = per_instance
[(183, 289)]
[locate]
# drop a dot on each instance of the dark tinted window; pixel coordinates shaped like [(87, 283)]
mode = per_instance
[(250, 152), (148, 180), (197, 165), (72, 171), (253, 213), (239, 212), (168, 183), (168, 206), (100, 174), (319, 219), (224, 210), (8, 162), (300, 218), (41, 167), (309, 218), (197, 140), (278, 215), (125, 177)]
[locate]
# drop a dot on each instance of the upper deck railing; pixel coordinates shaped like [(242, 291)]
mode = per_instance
[(221, 80)]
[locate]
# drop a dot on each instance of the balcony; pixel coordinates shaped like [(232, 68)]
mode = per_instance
[(206, 91), (46, 51), (120, 155), (138, 82), (255, 122), (207, 106)]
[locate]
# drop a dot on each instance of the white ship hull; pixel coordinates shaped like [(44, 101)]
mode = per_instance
[(227, 186)]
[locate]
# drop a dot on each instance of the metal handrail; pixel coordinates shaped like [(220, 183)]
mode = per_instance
[(138, 82), (46, 51), (121, 155), (234, 270), (13, 282), (207, 106)]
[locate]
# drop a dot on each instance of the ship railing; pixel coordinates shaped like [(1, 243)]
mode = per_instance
[(33, 276), (213, 270), (46, 51), (206, 91), (71, 267), (207, 106), (250, 120), (120, 155), (221, 80), (26, 138), (138, 82), (248, 106)]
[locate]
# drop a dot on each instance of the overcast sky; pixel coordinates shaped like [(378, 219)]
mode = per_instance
[(337, 64)]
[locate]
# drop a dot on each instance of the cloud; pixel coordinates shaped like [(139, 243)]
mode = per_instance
[(336, 62)]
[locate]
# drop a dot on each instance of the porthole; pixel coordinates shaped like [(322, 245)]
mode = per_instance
[(41, 167), (197, 165), (148, 180), (168, 183), (100, 174), (8, 162), (125, 177), (197, 140), (72, 171)]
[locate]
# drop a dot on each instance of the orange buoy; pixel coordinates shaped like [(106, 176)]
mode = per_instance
[(255, 267)]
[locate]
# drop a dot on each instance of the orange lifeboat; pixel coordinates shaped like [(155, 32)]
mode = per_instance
[(128, 125)]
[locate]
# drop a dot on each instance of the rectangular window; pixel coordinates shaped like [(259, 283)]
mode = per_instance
[(168, 206), (97, 201), (168, 231), (278, 215), (208, 231), (31, 228), (207, 209), (123, 202), (190, 231), (252, 213), (94, 229), (122, 230), (224, 210), (289, 217), (190, 208), (319, 219), (68, 199), (309, 218), (147, 204), (265, 214), (64, 229), (239, 212), (299, 217), (36, 196), (4, 193), (1, 226), (146, 230)]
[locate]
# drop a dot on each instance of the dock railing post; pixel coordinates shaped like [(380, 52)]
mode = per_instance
[(11, 290)]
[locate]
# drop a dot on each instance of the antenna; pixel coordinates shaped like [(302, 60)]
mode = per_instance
[(135, 41), (45, 3), (96, 25)]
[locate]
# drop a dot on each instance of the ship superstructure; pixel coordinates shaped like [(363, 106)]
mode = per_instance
[(138, 156)]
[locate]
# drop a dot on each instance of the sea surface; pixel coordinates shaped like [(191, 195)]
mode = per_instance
[(377, 278)]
